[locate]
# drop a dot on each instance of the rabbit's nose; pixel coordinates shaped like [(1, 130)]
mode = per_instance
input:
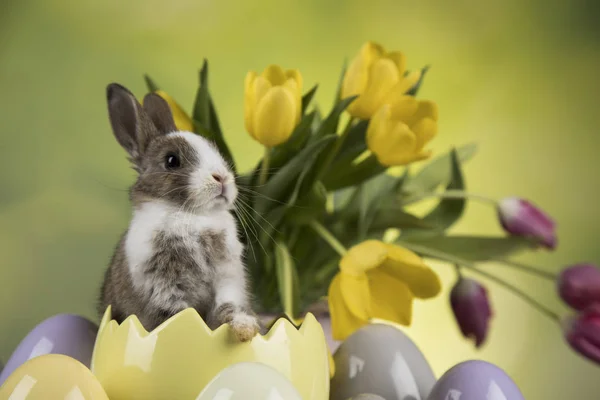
[(218, 178)]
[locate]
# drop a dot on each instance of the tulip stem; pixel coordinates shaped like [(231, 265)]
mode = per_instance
[(328, 237), (528, 268), (516, 291), (453, 194), (425, 251), (458, 271), (264, 167)]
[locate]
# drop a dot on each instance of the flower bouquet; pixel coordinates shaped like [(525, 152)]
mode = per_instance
[(327, 221), (326, 212)]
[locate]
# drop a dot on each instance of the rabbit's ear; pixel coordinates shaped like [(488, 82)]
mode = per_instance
[(130, 124), (159, 113)]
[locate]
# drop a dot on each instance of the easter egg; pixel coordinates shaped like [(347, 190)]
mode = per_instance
[(475, 380), (380, 359), (52, 376), (367, 396), (250, 380), (66, 334)]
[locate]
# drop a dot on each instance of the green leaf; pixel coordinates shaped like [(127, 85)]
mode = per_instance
[(280, 185), (330, 124), (308, 206), (267, 223), (303, 246), (373, 192), (346, 207), (415, 89), (286, 151), (324, 274), (388, 217), (307, 98), (354, 145), (246, 180), (201, 107), (317, 121), (287, 279), (356, 174), (437, 172), (475, 248), (325, 159), (449, 210), (203, 131), (216, 128), (150, 84), (291, 201), (343, 197), (338, 91), (206, 119), (384, 212)]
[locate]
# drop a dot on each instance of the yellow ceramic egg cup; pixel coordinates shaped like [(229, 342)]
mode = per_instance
[(181, 356)]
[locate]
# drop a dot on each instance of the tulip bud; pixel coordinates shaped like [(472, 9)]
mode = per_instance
[(583, 332), (272, 104), (579, 285), (521, 218), (471, 308)]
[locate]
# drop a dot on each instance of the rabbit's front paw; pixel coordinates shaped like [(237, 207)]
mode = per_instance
[(244, 326)]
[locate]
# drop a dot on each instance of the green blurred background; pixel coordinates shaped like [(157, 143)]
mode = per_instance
[(521, 78)]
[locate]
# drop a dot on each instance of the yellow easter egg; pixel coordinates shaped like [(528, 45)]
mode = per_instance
[(52, 377)]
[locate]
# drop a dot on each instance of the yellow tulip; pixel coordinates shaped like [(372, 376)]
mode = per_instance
[(378, 281), (182, 121), (399, 131), (272, 104), (372, 75)]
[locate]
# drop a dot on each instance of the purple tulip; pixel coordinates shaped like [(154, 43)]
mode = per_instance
[(583, 332), (521, 218), (471, 307), (579, 285)]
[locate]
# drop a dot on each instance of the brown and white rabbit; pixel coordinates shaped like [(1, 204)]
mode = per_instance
[(181, 249)]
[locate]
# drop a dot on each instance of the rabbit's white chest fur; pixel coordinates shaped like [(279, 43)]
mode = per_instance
[(157, 217)]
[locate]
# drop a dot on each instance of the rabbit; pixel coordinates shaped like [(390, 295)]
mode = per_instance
[(181, 248)]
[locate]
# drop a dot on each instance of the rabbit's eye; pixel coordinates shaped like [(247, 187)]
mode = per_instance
[(172, 161)]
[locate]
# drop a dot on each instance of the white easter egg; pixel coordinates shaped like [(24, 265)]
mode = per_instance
[(249, 380)]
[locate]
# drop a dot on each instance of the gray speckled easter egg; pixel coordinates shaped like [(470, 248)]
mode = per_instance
[(380, 359), (367, 396), (475, 380)]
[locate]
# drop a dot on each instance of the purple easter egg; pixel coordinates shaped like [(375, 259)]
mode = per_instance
[(66, 334), (475, 380)]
